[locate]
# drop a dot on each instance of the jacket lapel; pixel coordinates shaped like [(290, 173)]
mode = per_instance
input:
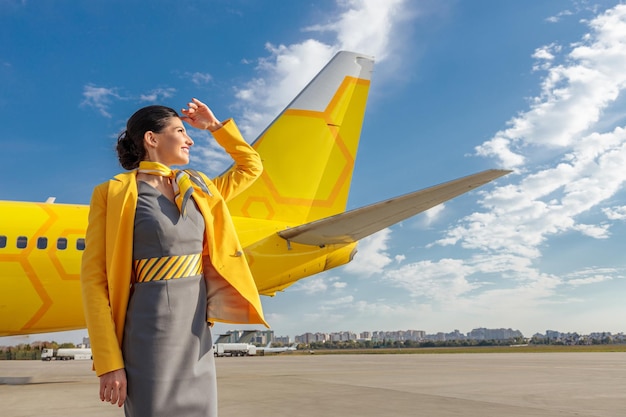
[(121, 206)]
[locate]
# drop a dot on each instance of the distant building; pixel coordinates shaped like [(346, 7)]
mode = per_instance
[(494, 334), (255, 337), (313, 338), (553, 335), (285, 340), (306, 338), (398, 335), (342, 336)]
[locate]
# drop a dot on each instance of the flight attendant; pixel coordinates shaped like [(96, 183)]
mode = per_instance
[(162, 262)]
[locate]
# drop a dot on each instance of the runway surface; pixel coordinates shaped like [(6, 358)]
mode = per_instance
[(474, 384)]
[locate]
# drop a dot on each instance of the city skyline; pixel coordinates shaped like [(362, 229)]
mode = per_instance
[(416, 335)]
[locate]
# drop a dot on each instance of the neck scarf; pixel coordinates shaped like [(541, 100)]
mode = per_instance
[(181, 181)]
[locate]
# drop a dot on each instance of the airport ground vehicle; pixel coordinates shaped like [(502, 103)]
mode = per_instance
[(65, 354), (234, 349)]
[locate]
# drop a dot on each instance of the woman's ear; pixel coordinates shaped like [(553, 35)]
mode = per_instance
[(150, 139)]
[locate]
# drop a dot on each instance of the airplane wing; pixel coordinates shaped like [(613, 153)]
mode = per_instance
[(354, 225)]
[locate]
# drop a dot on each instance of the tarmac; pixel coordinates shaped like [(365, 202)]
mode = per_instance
[(365, 385)]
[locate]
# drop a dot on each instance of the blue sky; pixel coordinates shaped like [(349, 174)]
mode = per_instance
[(458, 87)]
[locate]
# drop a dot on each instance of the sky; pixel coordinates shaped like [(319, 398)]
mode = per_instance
[(458, 87)]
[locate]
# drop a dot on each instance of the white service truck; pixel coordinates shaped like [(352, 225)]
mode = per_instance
[(65, 354), (234, 349)]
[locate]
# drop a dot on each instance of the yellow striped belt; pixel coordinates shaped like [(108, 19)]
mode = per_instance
[(167, 267)]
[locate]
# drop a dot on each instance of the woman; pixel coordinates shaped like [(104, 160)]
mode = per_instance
[(162, 262)]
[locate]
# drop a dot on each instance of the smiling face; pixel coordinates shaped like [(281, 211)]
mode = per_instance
[(171, 145)]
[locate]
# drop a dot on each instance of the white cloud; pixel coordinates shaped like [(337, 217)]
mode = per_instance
[(13, 5), (311, 285), (556, 18), (157, 94), (573, 94), (320, 284), (441, 280), (207, 155), (371, 257), (615, 213), (348, 299), (545, 56), (365, 25), (427, 218), (548, 201), (500, 147), (99, 98), (199, 78), (592, 230), (339, 285), (591, 276)]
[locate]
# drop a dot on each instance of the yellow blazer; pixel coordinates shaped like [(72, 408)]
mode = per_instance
[(106, 267)]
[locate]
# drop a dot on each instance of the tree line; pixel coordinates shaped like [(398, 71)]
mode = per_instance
[(368, 344), (31, 351)]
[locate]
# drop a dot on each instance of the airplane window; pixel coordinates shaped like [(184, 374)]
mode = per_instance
[(62, 243), (42, 243), (80, 244), (3, 241), (22, 241)]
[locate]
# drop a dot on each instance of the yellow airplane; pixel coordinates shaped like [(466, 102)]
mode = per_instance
[(291, 222)]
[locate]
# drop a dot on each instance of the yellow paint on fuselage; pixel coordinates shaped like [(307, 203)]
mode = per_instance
[(41, 287), (276, 263)]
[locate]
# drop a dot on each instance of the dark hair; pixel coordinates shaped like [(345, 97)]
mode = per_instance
[(130, 147)]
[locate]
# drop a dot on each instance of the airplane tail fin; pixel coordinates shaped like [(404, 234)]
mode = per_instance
[(309, 150)]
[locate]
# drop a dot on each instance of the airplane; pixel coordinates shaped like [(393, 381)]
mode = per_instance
[(291, 222), (269, 349)]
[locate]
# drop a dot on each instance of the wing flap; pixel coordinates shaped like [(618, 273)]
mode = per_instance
[(354, 225)]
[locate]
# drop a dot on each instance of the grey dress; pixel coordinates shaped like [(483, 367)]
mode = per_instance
[(167, 343)]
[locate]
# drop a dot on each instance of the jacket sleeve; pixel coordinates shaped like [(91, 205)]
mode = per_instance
[(107, 355), (248, 166)]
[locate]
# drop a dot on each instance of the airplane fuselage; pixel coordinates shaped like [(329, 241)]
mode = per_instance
[(41, 246)]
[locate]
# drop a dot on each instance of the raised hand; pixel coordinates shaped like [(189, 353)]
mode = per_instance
[(198, 115)]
